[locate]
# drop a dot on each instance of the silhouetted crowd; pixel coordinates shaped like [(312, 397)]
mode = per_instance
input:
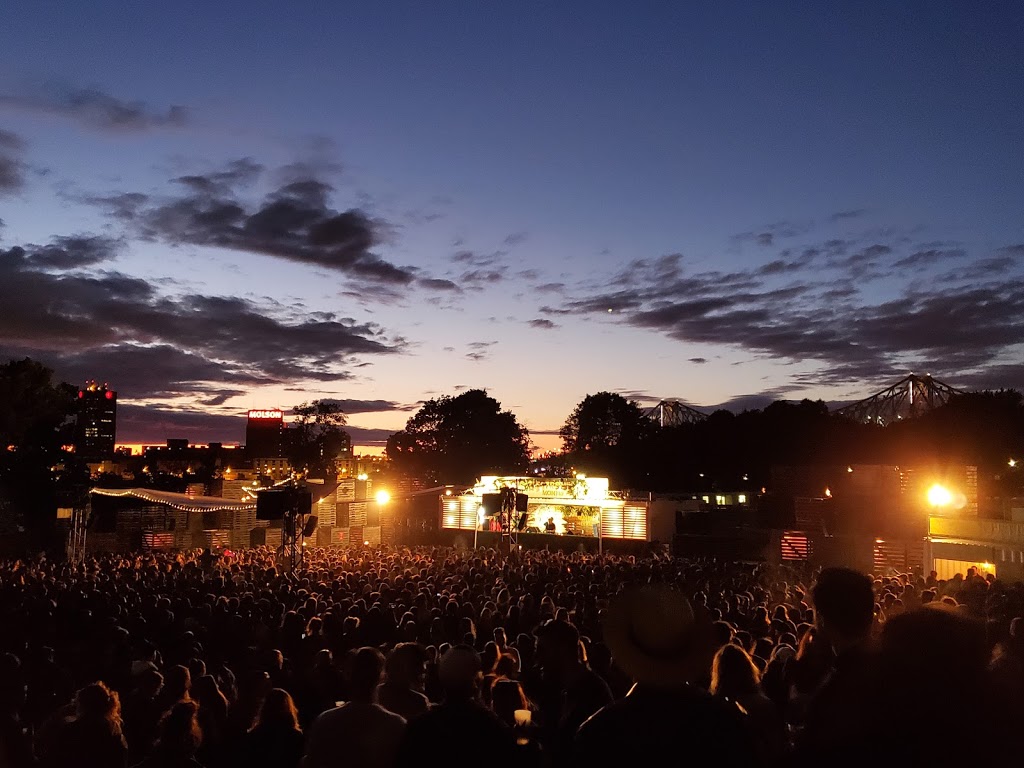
[(422, 657)]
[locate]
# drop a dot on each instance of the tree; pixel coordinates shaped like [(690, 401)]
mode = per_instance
[(456, 439), (610, 434), (316, 439), (35, 424)]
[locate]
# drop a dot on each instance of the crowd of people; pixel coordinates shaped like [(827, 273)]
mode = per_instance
[(432, 656)]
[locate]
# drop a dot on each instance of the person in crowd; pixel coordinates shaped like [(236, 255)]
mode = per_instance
[(459, 730), (142, 714), (835, 722), (213, 721), (735, 677), (360, 733), (15, 735), (570, 691), (655, 638), (405, 677), (93, 738), (180, 739), (277, 740)]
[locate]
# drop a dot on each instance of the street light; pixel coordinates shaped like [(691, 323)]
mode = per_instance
[(939, 496), (383, 497)]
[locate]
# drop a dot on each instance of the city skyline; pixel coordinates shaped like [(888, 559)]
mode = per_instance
[(723, 205)]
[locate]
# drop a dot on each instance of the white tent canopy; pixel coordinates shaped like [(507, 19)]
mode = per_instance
[(180, 501)]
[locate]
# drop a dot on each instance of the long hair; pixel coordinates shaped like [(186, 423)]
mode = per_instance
[(733, 673), (97, 703), (278, 711), (180, 733)]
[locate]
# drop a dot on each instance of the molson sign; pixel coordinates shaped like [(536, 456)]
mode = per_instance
[(272, 413)]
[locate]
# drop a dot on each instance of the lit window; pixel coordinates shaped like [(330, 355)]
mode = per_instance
[(720, 501), (707, 500), (742, 498)]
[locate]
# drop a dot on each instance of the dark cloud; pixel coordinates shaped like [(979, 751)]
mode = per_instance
[(479, 350), (111, 326), (369, 406), (516, 238), (294, 222), (770, 234), (439, 284), (697, 360), (65, 253), (549, 288), (854, 213), (929, 258), (542, 323), (154, 425), (817, 309), (477, 277), (96, 109), (219, 397), (12, 170)]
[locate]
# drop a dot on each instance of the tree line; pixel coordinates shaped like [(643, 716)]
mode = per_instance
[(454, 439)]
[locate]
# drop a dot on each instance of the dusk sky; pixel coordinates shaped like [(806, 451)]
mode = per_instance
[(233, 205)]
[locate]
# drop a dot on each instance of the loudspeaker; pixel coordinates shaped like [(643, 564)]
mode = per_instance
[(257, 537), (271, 505), (492, 503), (523, 518), (521, 501), (341, 516), (310, 528)]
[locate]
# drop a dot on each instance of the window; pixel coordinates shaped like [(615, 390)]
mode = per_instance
[(742, 498), (720, 501)]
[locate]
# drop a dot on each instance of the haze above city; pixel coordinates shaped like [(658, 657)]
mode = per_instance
[(218, 207)]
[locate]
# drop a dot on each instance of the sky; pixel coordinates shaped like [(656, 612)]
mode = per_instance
[(222, 206)]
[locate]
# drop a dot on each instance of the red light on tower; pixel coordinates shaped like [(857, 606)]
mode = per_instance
[(110, 395), (81, 394)]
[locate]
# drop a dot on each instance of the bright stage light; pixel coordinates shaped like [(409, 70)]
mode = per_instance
[(939, 496), (383, 497)]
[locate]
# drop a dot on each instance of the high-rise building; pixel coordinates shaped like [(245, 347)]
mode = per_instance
[(264, 434), (96, 426)]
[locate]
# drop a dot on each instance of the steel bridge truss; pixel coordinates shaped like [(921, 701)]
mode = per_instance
[(672, 413), (906, 399)]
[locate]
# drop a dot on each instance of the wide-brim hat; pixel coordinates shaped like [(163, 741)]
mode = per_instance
[(651, 632)]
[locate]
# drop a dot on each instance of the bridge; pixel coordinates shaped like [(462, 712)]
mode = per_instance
[(907, 398), (673, 413)]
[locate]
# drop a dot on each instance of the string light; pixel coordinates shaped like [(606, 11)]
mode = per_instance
[(140, 493)]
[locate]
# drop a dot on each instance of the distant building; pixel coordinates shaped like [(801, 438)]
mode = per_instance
[(264, 434), (96, 425)]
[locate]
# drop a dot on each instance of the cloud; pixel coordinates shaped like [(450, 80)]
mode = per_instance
[(542, 323), (12, 170), (697, 360), (370, 406), (929, 257), (96, 109), (770, 234), (220, 397), (853, 213), (439, 284), (293, 222), (516, 238), (110, 326), (479, 350), (814, 308), (65, 253)]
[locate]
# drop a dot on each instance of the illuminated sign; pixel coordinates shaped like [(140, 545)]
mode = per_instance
[(266, 414)]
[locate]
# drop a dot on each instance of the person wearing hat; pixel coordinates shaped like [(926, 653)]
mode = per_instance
[(656, 639)]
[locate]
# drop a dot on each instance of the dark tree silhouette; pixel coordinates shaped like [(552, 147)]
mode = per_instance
[(456, 439), (316, 439), (36, 421), (609, 434)]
